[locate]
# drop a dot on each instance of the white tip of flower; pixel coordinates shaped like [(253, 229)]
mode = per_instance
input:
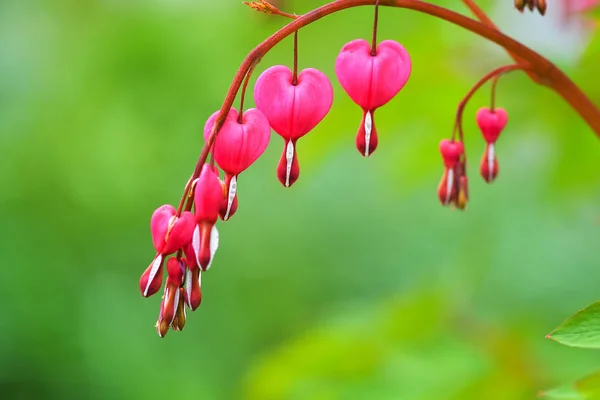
[(368, 130), (491, 156), (188, 283), (449, 185), (214, 244), (231, 197), (153, 271), (289, 158), (175, 305), (196, 243)]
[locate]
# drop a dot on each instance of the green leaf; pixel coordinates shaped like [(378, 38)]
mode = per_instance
[(581, 329), (587, 388), (562, 393)]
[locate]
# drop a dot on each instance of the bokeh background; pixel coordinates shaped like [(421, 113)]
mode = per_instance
[(354, 283)]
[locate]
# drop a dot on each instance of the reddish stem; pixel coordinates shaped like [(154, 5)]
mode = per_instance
[(375, 21), (461, 106), (542, 70), (295, 74)]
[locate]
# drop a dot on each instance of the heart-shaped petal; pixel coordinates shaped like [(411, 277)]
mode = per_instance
[(491, 122), (159, 225), (179, 233), (293, 110), (238, 145), (451, 151), (372, 81)]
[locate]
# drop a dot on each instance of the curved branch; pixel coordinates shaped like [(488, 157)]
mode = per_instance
[(547, 73)]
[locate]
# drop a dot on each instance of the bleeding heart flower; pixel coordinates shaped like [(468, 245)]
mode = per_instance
[(449, 187), (237, 146), (293, 110), (208, 198), (371, 81), (169, 234), (491, 123)]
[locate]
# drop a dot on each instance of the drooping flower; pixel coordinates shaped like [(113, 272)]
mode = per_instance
[(371, 81), (454, 176), (208, 197), (170, 302), (237, 146), (491, 123), (169, 234), (293, 110)]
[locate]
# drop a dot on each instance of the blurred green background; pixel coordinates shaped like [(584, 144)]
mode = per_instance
[(354, 283)]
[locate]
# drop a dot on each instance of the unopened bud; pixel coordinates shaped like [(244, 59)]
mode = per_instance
[(541, 6)]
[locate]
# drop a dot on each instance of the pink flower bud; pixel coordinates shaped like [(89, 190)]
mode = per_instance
[(451, 152), (151, 279), (208, 195), (293, 110), (193, 290), (449, 187), (170, 233), (491, 122), (489, 164), (372, 81)]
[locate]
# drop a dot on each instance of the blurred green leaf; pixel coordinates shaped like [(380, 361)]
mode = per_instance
[(581, 329), (587, 388)]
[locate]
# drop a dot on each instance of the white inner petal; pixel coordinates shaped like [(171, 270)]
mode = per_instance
[(490, 159), (232, 191), (449, 184), (368, 128), (289, 157), (196, 243), (175, 305), (200, 278), (155, 266), (214, 244), (188, 284)]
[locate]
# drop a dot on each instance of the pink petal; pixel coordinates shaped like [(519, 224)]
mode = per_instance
[(239, 145), (180, 233), (293, 110), (451, 152), (491, 122), (159, 225), (372, 81), (208, 195)]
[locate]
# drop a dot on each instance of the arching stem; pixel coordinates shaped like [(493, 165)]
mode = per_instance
[(461, 106), (539, 67)]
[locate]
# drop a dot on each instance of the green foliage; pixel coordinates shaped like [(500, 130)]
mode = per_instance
[(355, 282), (581, 329)]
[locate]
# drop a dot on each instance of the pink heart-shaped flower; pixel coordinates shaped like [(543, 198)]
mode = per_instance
[(372, 81), (170, 233), (293, 110), (451, 152), (491, 122), (238, 145)]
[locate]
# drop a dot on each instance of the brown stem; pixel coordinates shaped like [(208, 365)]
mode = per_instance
[(482, 16), (493, 100), (547, 73)]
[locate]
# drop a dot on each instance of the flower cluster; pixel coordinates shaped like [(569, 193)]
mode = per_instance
[(291, 104)]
